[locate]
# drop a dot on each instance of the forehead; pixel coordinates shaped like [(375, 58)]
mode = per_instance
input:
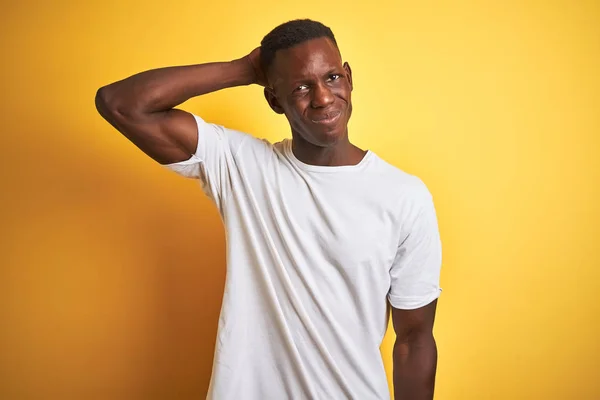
[(311, 58)]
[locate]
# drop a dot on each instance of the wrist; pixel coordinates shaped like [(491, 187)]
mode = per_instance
[(244, 72)]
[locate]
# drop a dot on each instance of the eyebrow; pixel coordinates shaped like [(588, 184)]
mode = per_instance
[(333, 70)]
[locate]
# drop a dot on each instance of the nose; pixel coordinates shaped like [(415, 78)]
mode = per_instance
[(321, 96)]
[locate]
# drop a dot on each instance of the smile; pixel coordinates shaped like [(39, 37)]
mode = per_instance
[(328, 118)]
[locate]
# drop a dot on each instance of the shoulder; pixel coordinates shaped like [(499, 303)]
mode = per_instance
[(402, 185), (238, 141)]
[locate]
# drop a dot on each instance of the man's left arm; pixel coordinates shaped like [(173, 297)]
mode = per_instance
[(413, 294), (415, 353)]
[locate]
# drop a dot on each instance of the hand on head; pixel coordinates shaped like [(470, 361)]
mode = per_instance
[(259, 73)]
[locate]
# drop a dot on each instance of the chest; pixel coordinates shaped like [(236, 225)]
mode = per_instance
[(345, 221)]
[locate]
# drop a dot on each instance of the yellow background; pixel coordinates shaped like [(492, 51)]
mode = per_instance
[(112, 267)]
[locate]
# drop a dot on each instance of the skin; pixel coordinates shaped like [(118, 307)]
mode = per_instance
[(415, 353), (310, 85)]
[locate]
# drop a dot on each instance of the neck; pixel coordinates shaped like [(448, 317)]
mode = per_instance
[(336, 154)]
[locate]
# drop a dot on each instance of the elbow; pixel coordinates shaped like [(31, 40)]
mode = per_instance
[(101, 100), (110, 105), (411, 342), (106, 103), (417, 350), (415, 338)]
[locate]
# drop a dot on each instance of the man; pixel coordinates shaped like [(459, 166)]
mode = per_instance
[(320, 233)]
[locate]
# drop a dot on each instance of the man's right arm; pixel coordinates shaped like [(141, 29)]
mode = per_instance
[(142, 107)]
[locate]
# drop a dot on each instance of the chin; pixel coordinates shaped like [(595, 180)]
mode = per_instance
[(329, 137), (323, 135)]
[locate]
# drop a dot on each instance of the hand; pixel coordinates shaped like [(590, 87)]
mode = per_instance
[(260, 77)]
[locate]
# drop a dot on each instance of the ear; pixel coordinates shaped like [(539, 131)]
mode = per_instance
[(272, 100), (349, 74)]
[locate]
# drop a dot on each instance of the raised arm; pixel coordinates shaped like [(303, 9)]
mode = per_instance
[(415, 353), (141, 107)]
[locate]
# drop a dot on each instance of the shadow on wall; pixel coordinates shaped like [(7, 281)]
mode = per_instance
[(112, 277)]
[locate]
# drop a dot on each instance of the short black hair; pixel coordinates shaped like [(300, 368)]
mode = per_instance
[(290, 34)]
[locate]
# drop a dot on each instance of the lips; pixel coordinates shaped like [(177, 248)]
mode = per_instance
[(326, 118)]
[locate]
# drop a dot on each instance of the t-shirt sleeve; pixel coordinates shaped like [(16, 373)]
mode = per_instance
[(415, 273), (213, 159)]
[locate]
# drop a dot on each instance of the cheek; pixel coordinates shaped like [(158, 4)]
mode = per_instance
[(348, 91), (296, 110), (343, 92), (295, 116)]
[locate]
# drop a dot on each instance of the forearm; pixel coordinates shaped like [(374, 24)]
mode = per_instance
[(165, 88), (414, 369)]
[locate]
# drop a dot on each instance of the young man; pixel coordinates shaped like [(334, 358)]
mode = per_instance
[(320, 233)]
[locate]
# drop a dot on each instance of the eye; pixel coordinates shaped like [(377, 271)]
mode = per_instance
[(334, 77), (300, 87)]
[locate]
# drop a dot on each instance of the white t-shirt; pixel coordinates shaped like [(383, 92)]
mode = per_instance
[(314, 253)]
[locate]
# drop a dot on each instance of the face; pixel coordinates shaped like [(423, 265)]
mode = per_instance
[(310, 85)]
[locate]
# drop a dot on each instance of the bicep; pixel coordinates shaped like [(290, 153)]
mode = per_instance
[(167, 137), (412, 324), (415, 271)]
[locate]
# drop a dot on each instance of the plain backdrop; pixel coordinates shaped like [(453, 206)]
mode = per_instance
[(112, 268)]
